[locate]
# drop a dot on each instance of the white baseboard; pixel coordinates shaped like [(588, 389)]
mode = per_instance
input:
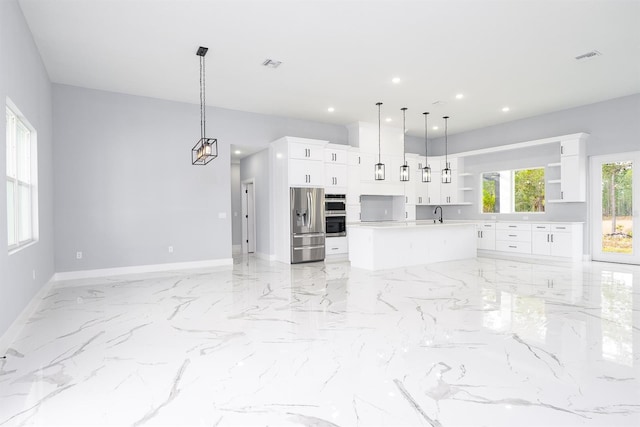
[(119, 271), (266, 257), (14, 330)]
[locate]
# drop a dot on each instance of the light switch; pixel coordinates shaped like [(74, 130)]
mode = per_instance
[(222, 215)]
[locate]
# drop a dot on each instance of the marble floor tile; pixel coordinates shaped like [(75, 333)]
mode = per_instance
[(480, 342)]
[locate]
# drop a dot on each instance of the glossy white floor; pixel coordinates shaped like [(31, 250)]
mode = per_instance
[(479, 342)]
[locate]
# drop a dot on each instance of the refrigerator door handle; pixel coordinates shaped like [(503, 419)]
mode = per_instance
[(308, 234)]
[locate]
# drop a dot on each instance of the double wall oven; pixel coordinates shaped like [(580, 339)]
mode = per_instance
[(335, 212)]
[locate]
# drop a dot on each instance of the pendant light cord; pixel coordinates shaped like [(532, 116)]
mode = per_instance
[(404, 134), (426, 144), (379, 157), (203, 122), (446, 142)]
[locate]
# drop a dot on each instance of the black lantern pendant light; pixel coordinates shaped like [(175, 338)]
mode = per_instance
[(379, 168), (426, 170), (404, 169), (206, 149), (446, 172)]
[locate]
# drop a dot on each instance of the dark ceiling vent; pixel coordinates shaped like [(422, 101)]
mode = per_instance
[(270, 63), (588, 55)]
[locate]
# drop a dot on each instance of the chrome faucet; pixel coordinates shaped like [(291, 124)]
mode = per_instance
[(436, 211)]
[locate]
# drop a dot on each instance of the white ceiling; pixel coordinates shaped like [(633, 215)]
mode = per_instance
[(344, 53)]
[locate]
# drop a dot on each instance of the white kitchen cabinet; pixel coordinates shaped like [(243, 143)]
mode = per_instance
[(335, 178), (487, 236), (353, 213), (411, 185), (336, 245), (513, 237), (421, 191), (305, 150), (557, 240), (306, 173), (410, 212), (335, 153), (573, 177), (353, 177)]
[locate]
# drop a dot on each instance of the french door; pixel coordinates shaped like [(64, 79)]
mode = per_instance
[(615, 205)]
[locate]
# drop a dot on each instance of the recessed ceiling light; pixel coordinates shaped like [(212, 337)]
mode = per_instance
[(459, 96), (331, 109), (435, 128), (395, 80), (388, 119), (237, 152), (505, 109)]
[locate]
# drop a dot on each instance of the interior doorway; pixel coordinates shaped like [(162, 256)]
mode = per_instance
[(248, 217), (615, 205)]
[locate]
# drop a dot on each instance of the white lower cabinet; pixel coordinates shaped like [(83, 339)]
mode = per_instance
[(557, 240), (487, 236), (513, 237), (336, 245)]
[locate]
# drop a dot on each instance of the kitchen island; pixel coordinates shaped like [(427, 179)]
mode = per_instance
[(384, 245)]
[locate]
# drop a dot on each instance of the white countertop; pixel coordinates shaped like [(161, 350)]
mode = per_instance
[(409, 224)]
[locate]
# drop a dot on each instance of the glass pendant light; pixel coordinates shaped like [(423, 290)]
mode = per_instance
[(206, 149), (379, 168), (404, 169), (446, 172), (426, 170)]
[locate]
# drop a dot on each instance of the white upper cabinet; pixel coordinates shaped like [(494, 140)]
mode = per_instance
[(303, 173), (573, 179), (305, 149), (335, 153)]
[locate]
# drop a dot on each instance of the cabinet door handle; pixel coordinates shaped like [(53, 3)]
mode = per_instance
[(514, 247), (547, 237), (562, 195), (540, 226), (406, 214), (561, 228), (561, 149), (482, 234), (552, 238), (513, 226), (513, 235)]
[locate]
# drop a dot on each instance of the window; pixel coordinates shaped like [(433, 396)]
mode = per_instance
[(20, 182), (513, 191)]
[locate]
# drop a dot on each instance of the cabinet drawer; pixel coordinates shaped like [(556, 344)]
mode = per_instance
[(513, 226), (486, 226), (514, 235), (518, 247), (540, 227), (336, 245)]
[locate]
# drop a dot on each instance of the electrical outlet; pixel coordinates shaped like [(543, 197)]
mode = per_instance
[(79, 255), (222, 215), (525, 217), (459, 211), (170, 249), (34, 274)]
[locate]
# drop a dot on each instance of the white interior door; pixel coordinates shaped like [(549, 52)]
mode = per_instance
[(615, 199), (250, 218)]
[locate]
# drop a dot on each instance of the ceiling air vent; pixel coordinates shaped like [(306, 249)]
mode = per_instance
[(270, 63), (588, 55)]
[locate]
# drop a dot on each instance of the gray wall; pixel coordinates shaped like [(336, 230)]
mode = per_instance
[(24, 80), (125, 188), (236, 205), (256, 167)]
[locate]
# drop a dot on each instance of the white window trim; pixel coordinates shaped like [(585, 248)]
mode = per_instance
[(11, 107)]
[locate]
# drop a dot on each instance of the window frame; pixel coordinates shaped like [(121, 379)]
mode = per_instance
[(512, 198), (17, 160)]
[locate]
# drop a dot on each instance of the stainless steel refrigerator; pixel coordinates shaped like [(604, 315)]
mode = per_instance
[(307, 224)]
